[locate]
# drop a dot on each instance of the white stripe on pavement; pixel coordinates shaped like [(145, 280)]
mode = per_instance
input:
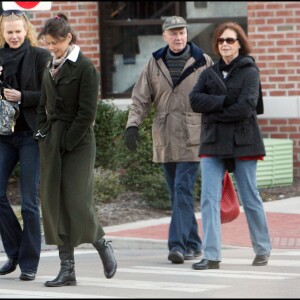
[(6, 293), (209, 273), (143, 285)]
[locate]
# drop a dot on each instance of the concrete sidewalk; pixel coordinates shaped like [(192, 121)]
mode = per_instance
[(283, 219)]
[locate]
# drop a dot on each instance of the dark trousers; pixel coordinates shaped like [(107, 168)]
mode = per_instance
[(21, 241), (183, 230)]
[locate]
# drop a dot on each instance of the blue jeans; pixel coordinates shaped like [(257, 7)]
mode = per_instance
[(212, 172), (21, 242), (183, 230)]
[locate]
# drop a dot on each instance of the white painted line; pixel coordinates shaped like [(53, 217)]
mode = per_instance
[(208, 273), (145, 285), (32, 294)]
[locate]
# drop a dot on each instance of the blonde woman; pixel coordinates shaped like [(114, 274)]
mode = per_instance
[(21, 68)]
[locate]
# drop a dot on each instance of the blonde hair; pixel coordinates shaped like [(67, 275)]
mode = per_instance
[(31, 35)]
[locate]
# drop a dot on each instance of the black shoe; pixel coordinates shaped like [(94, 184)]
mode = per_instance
[(205, 264), (192, 254), (260, 260), (9, 266), (27, 276), (176, 257)]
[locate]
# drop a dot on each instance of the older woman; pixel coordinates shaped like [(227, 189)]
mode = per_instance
[(227, 95)]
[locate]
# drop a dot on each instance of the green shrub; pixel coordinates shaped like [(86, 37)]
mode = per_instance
[(107, 185), (109, 128), (155, 192), (137, 171)]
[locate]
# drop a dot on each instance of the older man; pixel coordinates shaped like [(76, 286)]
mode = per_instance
[(165, 83)]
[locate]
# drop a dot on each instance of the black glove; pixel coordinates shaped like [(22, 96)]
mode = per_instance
[(131, 137), (228, 101)]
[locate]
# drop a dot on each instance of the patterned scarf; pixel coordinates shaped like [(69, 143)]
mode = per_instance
[(57, 63)]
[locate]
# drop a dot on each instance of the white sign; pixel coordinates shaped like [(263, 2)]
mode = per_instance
[(26, 5)]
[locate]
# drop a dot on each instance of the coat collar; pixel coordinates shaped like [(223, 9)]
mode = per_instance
[(65, 70), (74, 54), (196, 53)]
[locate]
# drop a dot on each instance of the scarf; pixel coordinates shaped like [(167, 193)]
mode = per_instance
[(224, 68), (11, 60), (57, 63)]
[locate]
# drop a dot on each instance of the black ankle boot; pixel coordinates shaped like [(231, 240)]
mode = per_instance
[(106, 254), (66, 275)]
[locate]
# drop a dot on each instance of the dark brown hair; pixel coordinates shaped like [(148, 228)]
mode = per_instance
[(58, 27), (241, 36)]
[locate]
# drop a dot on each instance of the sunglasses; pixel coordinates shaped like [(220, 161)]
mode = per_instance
[(229, 41), (18, 13)]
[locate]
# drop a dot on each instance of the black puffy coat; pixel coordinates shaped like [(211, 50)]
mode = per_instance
[(231, 131)]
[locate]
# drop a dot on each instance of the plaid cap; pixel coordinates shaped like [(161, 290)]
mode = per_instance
[(174, 22)]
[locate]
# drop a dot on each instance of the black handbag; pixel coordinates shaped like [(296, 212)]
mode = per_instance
[(9, 112)]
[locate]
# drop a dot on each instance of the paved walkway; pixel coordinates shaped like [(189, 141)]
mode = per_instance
[(283, 218)]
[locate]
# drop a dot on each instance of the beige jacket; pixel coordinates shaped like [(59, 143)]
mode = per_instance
[(175, 128)]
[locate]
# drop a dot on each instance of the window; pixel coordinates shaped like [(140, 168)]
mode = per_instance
[(130, 31)]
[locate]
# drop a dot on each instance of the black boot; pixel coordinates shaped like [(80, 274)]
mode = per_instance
[(66, 275), (106, 254)]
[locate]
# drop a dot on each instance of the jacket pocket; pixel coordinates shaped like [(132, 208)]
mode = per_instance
[(208, 131), (244, 134), (193, 125), (67, 80), (59, 106)]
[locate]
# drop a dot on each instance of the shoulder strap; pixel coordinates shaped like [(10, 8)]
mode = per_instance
[(218, 80), (222, 86), (260, 102)]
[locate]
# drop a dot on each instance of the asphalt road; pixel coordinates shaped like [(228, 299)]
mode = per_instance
[(146, 273)]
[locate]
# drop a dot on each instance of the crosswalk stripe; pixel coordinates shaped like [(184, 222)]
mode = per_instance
[(145, 285), (272, 262), (33, 294), (208, 273)]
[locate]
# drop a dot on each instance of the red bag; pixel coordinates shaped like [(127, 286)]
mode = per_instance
[(230, 206)]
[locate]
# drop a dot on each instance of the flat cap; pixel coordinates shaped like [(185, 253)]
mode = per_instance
[(174, 22)]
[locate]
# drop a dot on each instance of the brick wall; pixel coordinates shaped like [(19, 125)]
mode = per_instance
[(274, 30), (84, 19)]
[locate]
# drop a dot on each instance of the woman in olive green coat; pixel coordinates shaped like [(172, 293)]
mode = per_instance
[(67, 143)]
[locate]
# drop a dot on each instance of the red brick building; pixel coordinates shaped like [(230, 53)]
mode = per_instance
[(273, 28)]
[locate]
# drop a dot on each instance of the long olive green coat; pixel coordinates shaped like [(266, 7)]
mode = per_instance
[(65, 116)]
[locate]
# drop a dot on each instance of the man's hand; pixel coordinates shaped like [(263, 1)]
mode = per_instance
[(131, 137)]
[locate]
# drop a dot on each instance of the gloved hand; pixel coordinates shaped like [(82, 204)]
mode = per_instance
[(228, 101), (131, 137)]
